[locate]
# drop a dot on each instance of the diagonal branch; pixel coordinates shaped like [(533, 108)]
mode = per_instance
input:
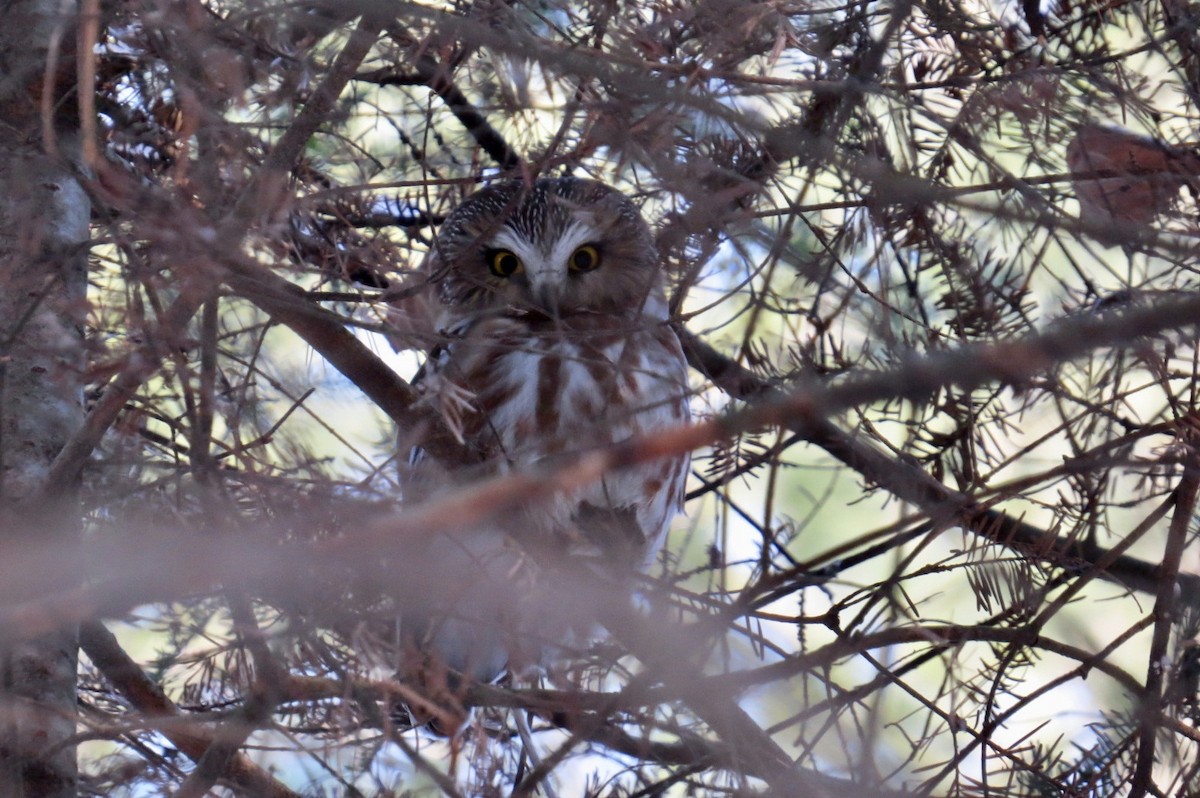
[(265, 190), (942, 504), (124, 674), (437, 77), (1165, 614), (122, 190)]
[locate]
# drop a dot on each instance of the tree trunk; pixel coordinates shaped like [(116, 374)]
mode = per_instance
[(44, 215)]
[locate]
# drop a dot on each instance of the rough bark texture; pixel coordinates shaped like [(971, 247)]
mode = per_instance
[(44, 215)]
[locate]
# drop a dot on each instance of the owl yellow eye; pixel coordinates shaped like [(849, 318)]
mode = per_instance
[(504, 263), (584, 259)]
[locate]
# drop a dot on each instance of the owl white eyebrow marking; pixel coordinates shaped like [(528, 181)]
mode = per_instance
[(572, 237), (514, 241)]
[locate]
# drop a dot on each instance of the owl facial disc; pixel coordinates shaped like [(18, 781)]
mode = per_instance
[(547, 268)]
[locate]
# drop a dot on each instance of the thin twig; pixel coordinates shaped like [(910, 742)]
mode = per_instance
[(123, 673), (1166, 609)]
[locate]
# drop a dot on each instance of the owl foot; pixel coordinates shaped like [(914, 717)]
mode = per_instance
[(449, 400)]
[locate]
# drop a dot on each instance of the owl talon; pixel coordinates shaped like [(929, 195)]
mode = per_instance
[(449, 400)]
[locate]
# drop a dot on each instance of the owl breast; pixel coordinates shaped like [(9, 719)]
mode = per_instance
[(538, 388)]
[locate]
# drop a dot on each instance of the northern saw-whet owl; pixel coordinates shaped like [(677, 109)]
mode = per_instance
[(547, 328)]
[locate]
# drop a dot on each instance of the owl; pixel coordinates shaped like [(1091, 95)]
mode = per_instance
[(550, 336)]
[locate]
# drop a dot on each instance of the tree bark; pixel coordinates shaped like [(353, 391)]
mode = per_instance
[(44, 216)]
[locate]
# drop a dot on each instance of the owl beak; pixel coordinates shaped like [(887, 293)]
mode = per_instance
[(545, 285)]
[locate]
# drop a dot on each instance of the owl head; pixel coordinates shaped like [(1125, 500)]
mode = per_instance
[(556, 248)]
